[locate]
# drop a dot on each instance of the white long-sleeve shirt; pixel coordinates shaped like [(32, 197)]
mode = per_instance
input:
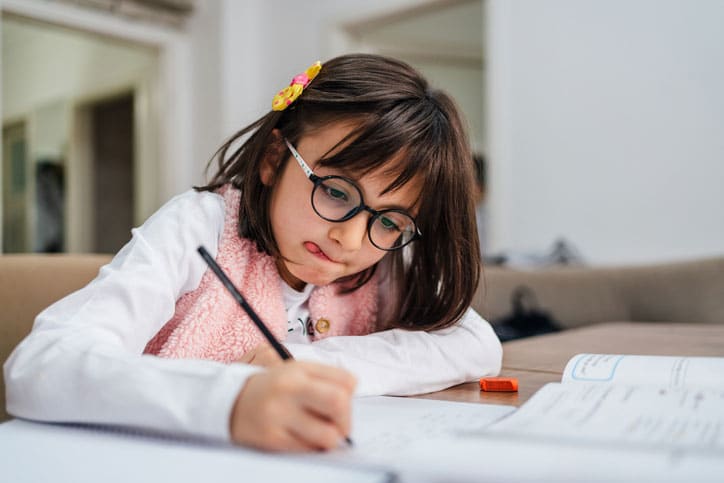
[(83, 360)]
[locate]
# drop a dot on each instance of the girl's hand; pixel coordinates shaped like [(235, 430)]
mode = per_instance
[(262, 355), (294, 406)]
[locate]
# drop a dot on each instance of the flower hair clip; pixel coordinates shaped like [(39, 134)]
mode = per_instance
[(290, 93)]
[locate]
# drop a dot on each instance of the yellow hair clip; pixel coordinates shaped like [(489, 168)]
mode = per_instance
[(290, 93)]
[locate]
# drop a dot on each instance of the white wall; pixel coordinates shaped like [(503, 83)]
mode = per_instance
[(265, 43), (207, 74), (607, 127), (49, 64)]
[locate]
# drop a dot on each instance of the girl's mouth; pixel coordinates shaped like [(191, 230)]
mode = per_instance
[(314, 249)]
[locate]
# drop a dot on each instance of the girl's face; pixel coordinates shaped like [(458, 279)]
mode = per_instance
[(314, 250)]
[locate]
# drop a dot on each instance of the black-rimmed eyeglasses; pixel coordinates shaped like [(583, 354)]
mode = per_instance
[(337, 199)]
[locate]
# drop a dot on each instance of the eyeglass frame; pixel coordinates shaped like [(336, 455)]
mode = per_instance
[(317, 180)]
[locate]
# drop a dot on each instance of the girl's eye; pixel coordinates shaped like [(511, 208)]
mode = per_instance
[(336, 190), (337, 194), (389, 224)]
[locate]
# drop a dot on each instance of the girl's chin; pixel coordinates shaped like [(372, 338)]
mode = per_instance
[(318, 280), (309, 276), (313, 271)]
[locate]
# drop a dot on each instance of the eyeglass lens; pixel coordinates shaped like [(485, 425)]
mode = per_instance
[(336, 199)]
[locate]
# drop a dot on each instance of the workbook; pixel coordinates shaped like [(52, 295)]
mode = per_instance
[(653, 401), (611, 418)]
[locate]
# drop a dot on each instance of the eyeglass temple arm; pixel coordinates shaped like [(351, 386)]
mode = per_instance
[(305, 167)]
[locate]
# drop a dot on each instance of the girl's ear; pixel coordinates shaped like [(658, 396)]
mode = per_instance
[(272, 158)]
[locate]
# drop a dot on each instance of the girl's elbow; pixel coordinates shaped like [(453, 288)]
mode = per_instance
[(18, 389), (31, 382)]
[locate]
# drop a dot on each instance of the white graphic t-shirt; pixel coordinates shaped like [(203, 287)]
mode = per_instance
[(299, 327)]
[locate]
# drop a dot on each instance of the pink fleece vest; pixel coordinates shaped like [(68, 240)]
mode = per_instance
[(209, 323)]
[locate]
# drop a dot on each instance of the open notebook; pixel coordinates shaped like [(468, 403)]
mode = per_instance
[(659, 402), (611, 418), (383, 427)]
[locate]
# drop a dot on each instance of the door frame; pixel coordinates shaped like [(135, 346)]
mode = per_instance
[(163, 107)]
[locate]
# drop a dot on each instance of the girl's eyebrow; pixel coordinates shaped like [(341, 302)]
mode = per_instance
[(356, 179), (406, 209)]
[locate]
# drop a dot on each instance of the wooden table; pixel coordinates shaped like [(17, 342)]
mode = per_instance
[(536, 361)]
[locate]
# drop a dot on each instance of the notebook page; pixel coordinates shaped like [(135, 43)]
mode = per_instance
[(522, 447), (637, 416), (492, 458), (34, 452), (585, 432), (663, 371), (383, 426)]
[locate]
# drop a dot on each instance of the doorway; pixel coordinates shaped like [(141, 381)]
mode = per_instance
[(14, 189), (88, 139), (112, 147)]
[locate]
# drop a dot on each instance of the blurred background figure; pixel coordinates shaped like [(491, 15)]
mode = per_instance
[(480, 208)]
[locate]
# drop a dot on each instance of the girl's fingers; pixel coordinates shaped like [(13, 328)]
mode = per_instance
[(312, 431), (329, 402), (291, 442), (334, 375), (296, 406)]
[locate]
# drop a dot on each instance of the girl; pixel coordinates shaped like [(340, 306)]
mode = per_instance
[(345, 216)]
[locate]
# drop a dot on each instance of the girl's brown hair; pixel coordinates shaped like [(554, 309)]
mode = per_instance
[(396, 115)]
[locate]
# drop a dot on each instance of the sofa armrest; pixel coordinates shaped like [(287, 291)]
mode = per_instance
[(31, 282)]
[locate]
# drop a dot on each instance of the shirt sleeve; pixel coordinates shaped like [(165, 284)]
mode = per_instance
[(83, 361), (400, 362)]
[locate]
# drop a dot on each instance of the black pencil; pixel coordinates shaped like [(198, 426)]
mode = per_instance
[(281, 350)]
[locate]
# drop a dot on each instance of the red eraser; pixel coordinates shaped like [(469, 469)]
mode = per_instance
[(499, 384)]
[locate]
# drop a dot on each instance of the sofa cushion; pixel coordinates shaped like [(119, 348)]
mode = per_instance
[(572, 296), (688, 291)]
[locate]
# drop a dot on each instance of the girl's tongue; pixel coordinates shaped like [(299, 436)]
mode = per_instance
[(314, 249)]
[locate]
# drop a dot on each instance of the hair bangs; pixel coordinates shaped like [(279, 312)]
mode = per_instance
[(409, 141)]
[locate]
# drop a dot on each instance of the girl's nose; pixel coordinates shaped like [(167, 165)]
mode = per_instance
[(351, 233)]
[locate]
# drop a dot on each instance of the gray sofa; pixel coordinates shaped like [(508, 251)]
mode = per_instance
[(690, 291)]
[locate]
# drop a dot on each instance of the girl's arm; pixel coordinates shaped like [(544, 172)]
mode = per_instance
[(82, 361), (401, 362)]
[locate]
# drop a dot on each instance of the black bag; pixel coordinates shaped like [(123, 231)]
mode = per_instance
[(526, 320)]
